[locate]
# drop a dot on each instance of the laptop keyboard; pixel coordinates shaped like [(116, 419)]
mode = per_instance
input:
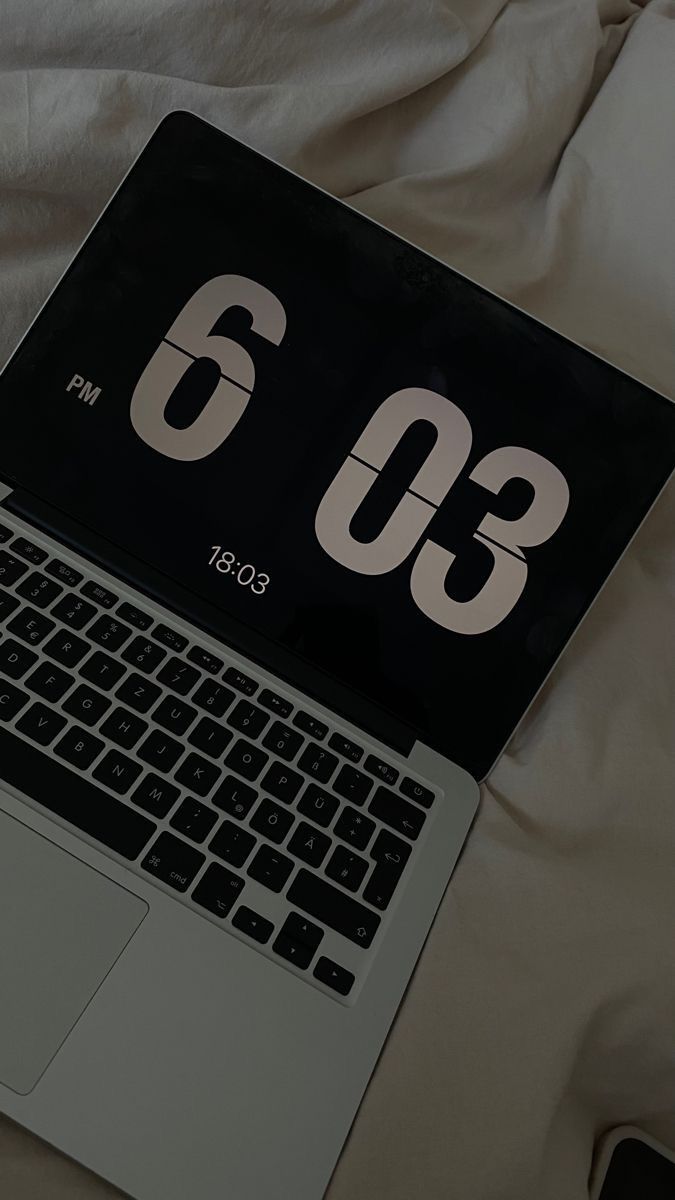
[(196, 773)]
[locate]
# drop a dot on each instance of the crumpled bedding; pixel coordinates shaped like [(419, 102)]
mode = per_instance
[(530, 144)]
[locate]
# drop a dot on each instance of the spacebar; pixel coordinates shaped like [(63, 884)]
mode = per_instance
[(72, 797), (333, 908)]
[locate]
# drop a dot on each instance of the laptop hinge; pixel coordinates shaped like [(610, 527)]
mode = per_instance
[(353, 707)]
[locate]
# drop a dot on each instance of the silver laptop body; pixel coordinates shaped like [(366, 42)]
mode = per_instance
[(216, 878)]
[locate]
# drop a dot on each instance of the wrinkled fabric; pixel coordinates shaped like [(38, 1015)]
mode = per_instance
[(530, 144)]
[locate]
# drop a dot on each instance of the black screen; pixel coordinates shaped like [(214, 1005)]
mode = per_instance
[(336, 440), (637, 1172)]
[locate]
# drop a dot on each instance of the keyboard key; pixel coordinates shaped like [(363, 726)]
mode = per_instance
[(12, 700), (86, 704), (31, 626), (352, 784), (39, 590), (175, 715), (160, 751), (173, 861), (156, 795), (347, 868), (300, 929), (309, 845), (15, 659), (396, 812), (171, 638), (66, 648), (134, 616), (384, 771), (213, 697), (391, 856), (218, 889), (205, 659), (11, 569), (109, 632), (276, 704), (123, 728), (253, 925), (246, 759), (414, 791), (198, 775), (64, 572), (138, 693), (234, 797), (248, 719), (103, 670), (387, 848), (194, 820), (49, 681), (178, 676), (283, 741), (318, 805), (41, 724), (232, 843), (79, 748), (5, 533), (210, 737), (354, 828), (273, 822), (317, 762), (311, 725), (74, 612), (117, 771), (144, 655), (8, 603), (283, 783), (297, 953), (29, 551), (240, 681), (71, 796), (332, 907), (96, 591), (334, 976), (271, 868), (345, 748)]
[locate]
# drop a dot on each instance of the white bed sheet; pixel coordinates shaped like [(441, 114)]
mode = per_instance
[(531, 144)]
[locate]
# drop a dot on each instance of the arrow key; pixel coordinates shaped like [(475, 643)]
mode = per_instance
[(334, 976), (299, 929), (298, 953), (253, 925)]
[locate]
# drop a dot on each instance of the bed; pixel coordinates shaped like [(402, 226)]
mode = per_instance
[(531, 145)]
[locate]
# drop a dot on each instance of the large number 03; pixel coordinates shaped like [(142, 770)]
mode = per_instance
[(504, 539)]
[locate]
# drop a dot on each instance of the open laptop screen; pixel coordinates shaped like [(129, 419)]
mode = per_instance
[(334, 438)]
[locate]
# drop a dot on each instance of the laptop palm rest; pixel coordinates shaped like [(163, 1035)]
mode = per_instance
[(62, 926)]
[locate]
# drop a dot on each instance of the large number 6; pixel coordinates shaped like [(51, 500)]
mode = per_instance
[(190, 338), (504, 540), (419, 503)]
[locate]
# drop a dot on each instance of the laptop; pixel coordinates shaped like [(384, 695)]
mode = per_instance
[(294, 523)]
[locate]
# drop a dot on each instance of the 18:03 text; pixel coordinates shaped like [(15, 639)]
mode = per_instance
[(245, 574)]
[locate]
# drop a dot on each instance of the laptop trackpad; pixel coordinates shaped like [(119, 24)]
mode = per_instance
[(62, 926)]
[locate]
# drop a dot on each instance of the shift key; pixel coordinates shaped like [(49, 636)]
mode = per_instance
[(333, 908)]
